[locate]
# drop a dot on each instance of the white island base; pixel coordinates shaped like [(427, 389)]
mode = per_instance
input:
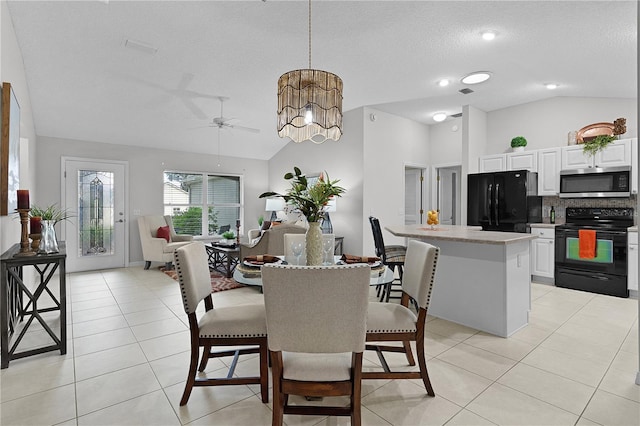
[(483, 278)]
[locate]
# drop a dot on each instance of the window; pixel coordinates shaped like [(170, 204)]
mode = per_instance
[(195, 214)]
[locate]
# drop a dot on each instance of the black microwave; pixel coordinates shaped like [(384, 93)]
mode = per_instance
[(596, 182)]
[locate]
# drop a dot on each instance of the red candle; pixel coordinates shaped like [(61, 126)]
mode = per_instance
[(23, 198), (35, 226)]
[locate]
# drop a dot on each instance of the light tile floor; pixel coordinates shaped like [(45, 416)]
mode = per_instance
[(575, 364)]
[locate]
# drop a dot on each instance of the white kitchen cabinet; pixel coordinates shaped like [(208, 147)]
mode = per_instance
[(617, 153), (548, 171), (543, 252), (493, 163), (632, 261), (522, 161), (634, 165)]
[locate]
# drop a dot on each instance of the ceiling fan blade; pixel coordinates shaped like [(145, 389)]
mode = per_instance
[(246, 129)]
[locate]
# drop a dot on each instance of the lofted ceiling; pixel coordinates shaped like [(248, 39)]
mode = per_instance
[(85, 83)]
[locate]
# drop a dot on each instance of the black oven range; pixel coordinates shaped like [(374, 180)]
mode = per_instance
[(606, 271)]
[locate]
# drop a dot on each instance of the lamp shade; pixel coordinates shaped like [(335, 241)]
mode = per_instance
[(310, 105), (274, 204)]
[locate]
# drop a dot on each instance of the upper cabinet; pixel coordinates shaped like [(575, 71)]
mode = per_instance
[(493, 163), (549, 171), (617, 153), (523, 161)]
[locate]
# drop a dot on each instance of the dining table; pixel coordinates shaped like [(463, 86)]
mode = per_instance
[(250, 275)]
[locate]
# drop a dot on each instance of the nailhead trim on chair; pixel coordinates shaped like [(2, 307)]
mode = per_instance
[(433, 276), (230, 336), (178, 267)]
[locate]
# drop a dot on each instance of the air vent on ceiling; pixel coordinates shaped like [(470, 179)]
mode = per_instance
[(458, 115), (465, 91), (140, 46)]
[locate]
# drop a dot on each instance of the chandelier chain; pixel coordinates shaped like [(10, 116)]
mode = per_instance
[(309, 34)]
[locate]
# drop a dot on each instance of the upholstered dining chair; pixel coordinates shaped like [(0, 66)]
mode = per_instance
[(242, 325), (393, 256), (316, 326), (393, 322)]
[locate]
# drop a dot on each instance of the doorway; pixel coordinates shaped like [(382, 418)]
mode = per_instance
[(446, 188), (94, 190), (414, 190)]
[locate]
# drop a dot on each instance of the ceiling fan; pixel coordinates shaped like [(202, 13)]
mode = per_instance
[(223, 121)]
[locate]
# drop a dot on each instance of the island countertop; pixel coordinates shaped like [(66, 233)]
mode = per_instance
[(470, 234)]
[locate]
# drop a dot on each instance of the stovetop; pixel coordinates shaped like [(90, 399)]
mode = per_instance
[(598, 217)]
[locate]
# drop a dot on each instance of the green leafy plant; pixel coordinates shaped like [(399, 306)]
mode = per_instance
[(600, 142), (52, 212), (229, 235), (518, 141), (260, 221), (310, 200)]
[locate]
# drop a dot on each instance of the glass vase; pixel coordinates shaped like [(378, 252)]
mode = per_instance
[(48, 241), (314, 244)]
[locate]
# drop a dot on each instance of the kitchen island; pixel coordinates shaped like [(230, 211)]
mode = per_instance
[(483, 279)]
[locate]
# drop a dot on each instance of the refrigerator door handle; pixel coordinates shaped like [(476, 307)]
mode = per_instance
[(489, 204), (496, 203)]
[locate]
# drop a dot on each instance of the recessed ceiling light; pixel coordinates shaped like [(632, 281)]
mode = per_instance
[(439, 116), (443, 83), (488, 35), (551, 86), (476, 77)]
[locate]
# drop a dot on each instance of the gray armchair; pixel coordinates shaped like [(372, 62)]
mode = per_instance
[(271, 242)]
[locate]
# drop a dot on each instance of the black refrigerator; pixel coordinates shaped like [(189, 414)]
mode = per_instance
[(503, 201)]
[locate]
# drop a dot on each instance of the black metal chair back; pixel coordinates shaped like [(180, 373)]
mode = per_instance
[(377, 238)]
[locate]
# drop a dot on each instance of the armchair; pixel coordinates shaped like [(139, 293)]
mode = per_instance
[(271, 242), (158, 249)]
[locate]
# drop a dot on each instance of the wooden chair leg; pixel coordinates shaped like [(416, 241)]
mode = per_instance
[(279, 400), (191, 378), (423, 367), (206, 350), (264, 372), (356, 393), (408, 352)]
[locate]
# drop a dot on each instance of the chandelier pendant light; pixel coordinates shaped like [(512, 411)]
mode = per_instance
[(310, 103)]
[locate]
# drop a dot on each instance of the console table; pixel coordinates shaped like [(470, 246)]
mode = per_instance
[(19, 302)]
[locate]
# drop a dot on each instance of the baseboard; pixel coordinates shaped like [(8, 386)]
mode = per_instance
[(542, 280)]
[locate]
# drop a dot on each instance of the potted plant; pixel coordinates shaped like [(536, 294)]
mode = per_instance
[(229, 235), (600, 142), (518, 143), (49, 216), (311, 201)]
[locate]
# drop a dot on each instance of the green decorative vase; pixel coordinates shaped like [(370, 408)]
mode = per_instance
[(314, 244)]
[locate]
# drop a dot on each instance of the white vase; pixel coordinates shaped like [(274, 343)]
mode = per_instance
[(48, 241), (517, 148), (314, 244)]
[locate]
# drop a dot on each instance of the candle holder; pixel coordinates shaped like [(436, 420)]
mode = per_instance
[(35, 242), (238, 231), (24, 236)]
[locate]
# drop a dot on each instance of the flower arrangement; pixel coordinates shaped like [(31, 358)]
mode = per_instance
[(310, 200), (51, 212)]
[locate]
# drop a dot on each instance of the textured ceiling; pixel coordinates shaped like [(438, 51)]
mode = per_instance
[(85, 84)]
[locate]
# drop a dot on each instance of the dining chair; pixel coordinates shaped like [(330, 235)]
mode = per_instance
[(393, 256), (241, 326), (316, 326), (393, 322)]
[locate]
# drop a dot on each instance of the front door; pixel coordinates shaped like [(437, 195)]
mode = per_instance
[(96, 236)]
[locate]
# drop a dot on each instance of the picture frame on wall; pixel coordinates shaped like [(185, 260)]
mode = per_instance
[(9, 150)]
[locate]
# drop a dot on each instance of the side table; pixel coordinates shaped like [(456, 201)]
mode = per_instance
[(20, 301), (223, 258)]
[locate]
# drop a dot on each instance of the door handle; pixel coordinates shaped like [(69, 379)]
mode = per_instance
[(497, 206)]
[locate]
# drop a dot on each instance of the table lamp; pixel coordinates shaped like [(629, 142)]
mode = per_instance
[(327, 227), (274, 205)]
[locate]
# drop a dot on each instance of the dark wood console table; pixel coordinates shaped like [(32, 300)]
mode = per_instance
[(19, 301)]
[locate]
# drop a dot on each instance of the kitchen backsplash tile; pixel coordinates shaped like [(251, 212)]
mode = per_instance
[(560, 204)]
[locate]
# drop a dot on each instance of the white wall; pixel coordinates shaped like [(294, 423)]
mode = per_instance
[(390, 143), (546, 123), (445, 143), (341, 160), (145, 186), (12, 71)]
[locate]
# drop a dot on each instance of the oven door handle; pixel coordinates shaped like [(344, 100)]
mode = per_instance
[(489, 203), (496, 206), (591, 275)]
